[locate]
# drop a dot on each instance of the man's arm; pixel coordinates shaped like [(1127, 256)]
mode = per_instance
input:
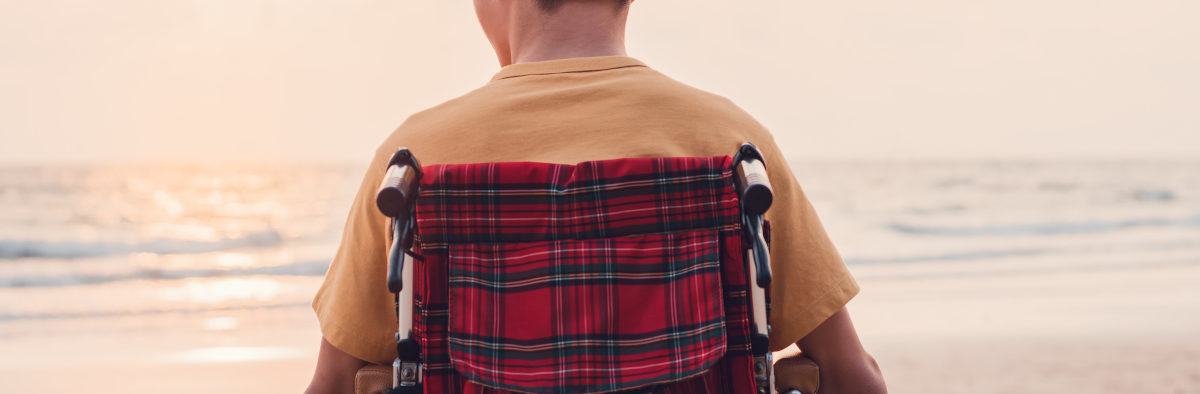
[(845, 366), (335, 371)]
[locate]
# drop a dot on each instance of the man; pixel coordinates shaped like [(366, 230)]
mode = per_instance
[(567, 93)]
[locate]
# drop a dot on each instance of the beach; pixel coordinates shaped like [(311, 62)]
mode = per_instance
[(1036, 334), (1119, 330), (977, 277)]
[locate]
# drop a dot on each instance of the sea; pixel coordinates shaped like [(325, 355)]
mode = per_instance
[(93, 241)]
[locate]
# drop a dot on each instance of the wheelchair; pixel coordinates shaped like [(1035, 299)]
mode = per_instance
[(634, 275)]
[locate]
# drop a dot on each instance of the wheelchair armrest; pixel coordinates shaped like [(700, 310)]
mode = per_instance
[(796, 372), (373, 379)]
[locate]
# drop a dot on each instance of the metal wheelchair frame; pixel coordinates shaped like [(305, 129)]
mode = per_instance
[(397, 199)]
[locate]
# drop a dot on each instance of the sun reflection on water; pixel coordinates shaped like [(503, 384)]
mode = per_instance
[(233, 354), (221, 323), (235, 260), (229, 291)]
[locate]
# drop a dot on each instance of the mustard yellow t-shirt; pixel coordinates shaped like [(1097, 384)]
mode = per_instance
[(568, 111)]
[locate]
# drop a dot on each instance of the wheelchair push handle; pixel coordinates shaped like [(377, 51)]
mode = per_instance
[(754, 189), (396, 198)]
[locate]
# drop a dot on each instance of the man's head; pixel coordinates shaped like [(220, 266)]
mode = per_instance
[(533, 30)]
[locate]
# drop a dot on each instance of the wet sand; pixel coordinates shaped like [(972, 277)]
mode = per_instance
[(1117, 329)]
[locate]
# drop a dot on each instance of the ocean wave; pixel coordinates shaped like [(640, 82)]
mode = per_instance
[(1029, 271), (148, 311), (17, 249), (1153, 195), (953, 256), (1049, 228), (309, 268)]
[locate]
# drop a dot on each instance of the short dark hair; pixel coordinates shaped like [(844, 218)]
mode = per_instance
[(551, 5)]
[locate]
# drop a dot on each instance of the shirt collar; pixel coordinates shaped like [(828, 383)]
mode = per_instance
[(571, 65)]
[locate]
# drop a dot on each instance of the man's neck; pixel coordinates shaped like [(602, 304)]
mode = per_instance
[(576, 29)]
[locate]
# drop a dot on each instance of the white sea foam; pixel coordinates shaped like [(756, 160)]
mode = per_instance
[(15, 249), (306, 268), (1045, 228)]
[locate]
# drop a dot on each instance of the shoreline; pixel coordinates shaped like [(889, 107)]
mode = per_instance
[(1091, 330)]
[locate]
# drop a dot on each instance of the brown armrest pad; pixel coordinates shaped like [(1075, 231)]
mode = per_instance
[(372, 379), (797, 373)]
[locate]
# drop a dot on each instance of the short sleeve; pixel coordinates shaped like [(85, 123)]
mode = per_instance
[(354, 308), (810, 282)]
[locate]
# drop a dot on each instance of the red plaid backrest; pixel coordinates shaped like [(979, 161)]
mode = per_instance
[(595, 277)]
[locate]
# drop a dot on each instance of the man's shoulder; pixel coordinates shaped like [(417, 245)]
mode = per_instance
[(432, 120), (658, 88), (704, 106)]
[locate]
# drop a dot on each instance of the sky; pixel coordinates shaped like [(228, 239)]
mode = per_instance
[(270, 80)]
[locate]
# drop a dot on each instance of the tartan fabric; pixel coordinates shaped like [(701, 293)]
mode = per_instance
[(591, 315), (525, 202), (595, 277)]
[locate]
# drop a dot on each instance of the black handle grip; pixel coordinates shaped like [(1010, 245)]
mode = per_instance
[(762, 255), (400, 233)]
